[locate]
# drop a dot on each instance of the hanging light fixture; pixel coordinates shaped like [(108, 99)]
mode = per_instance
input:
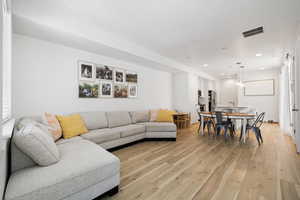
[(240, 83)]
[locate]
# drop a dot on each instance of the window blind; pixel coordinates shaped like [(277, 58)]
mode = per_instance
[(6, 61)]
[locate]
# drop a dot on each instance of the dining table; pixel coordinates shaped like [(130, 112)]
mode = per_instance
[(244, 117)]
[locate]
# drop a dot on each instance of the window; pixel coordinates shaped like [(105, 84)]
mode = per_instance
[(6, 60)]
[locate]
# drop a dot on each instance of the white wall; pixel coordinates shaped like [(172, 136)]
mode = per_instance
[(228, 92), (180, 92), (45, 78), (268, 104), (185, 92)]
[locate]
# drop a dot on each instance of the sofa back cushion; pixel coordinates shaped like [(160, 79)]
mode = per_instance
[(94, 120), (140, 116), (118, 118), (37, 144)]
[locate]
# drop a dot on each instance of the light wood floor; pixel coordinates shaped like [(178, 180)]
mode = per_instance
[(199, 167)]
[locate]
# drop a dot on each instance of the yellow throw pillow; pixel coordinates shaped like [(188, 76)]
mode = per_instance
[(165, 116), (72, 125)]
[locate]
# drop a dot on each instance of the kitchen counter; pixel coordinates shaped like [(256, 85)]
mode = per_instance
[(231, 108)]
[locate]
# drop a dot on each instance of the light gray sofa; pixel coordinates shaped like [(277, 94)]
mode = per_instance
[(86, 169)]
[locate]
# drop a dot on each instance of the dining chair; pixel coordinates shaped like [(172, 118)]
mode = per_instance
[(207, 122), (225, 124), (188, 120), (255, 127), (181, 121)]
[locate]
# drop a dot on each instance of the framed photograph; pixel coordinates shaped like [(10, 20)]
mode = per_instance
[(120, 91), (88, 90), (131, 77), (86, 71), (106, 89), (119, 76), (132, 91), (104, 72)]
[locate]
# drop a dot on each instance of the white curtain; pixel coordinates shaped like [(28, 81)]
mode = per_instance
[(284, 104)]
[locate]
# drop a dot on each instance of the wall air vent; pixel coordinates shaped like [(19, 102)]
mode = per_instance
[(253, 32)]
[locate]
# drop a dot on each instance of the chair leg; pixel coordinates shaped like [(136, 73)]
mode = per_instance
[(241, 133), (208, 128), (231, 131), (262, 141), (225, 133), (256, 135), (218, 129), (204, 125), (198, 131)]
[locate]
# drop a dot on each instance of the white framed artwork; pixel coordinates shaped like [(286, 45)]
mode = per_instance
[(104, 72), (131, 77), (119, 76), (259, 88), (86, 71), (106, 89), (132, 91)]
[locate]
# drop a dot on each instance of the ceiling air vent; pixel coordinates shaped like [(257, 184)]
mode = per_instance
[(253, 32)]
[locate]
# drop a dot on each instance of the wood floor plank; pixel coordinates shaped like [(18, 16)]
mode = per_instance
[(206, 168), (288, 190)]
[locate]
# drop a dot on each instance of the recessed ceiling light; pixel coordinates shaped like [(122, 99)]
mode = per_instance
[(258, 55), (238, 63), (205, 65)]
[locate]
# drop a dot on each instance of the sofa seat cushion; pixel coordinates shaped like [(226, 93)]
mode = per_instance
[(160, 126), (82, 165), (133, 129), (102, 135)]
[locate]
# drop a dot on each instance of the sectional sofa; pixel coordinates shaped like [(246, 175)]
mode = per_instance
[(86, 169)]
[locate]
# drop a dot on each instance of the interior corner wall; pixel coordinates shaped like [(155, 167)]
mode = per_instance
[(45, 78)]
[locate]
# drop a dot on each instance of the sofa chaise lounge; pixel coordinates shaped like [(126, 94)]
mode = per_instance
[(86, 169)]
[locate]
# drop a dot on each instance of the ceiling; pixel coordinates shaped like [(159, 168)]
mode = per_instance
[(192, 33)]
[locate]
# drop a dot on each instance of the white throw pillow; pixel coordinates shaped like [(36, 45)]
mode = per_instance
[(37, 144), (153, 115)]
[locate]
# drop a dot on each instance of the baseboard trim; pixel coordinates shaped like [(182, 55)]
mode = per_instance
[(140, 141)]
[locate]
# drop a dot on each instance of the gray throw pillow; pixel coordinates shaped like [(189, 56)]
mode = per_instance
[(37, 144), (140, 116)]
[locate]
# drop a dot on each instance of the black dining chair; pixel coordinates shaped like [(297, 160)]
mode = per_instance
[(255, 127), (225, 124)]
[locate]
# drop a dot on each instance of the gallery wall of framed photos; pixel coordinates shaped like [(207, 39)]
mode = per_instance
[(103, 81)]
